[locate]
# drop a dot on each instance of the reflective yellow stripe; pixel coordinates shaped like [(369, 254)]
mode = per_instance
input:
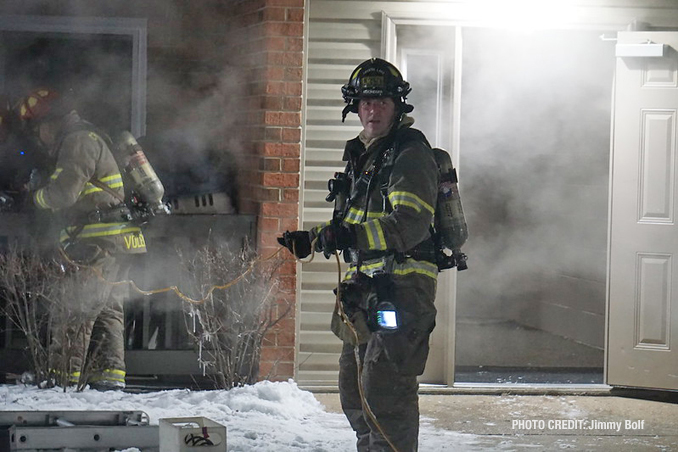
[(40, 199), (404, 198), (110, 374), (112, 178), (56, 173), (101, 230), (355, 215), (413, 266), (375, 235), (318, 228), (116, 371), (368, 269), (113, 181), (89, 189), (73, 377), (409, 266)]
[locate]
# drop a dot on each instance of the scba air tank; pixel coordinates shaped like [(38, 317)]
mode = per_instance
[(145, 182), (450, 222)]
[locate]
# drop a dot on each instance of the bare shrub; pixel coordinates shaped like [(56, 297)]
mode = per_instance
[(49, 301), (53, 303), (27, 281), (228, 326)]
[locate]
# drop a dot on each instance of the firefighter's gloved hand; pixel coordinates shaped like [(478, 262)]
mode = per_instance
[(298, 242), (336, 238)]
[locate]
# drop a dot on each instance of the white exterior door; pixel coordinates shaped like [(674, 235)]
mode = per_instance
[(643, 285)]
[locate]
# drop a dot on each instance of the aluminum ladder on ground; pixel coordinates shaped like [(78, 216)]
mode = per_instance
[(90, 431)]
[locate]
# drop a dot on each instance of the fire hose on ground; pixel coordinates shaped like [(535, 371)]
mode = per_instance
[(356, 351), (366, 406), (174, 289)]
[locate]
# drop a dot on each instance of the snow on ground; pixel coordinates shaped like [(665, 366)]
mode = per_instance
[(265, 417)]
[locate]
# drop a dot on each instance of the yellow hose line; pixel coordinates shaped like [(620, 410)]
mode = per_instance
[(356, 350), (359, 364), (174, 289), (340, 309)]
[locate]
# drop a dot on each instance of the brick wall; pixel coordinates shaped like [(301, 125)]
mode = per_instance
[(267, 39)]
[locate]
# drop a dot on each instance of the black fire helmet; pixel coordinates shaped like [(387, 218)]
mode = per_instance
[(375, 78)]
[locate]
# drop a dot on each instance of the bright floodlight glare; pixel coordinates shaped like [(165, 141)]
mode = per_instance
[(526, 15)]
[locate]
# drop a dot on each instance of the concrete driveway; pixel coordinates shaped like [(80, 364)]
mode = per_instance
[(515, 422)]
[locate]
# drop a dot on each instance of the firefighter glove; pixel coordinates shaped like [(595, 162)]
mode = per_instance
[(298, 242), (336, 238)]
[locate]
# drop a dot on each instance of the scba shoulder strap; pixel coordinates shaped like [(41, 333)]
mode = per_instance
[(363, 181), (402, 137), (426, 250)]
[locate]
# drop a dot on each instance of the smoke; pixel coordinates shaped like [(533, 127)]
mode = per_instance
[(534, 162), (194, 96), (195, 128), (193, 93)]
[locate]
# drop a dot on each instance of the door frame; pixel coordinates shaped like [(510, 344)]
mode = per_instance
[(447, 281)]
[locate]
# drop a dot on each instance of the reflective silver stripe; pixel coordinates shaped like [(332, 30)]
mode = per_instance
[(355, 215), (375, 235), (407, 267), (405, 198), (368, 269), (413, 266)]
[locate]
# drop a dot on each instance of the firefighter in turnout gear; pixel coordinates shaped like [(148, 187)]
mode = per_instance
[(384, 231), (86, 190)]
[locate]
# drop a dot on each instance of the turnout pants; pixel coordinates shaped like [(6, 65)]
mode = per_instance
[(392, 397), (88, 326), (390, 365)]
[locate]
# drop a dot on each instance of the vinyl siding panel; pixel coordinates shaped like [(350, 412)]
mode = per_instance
[(335, 47)]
